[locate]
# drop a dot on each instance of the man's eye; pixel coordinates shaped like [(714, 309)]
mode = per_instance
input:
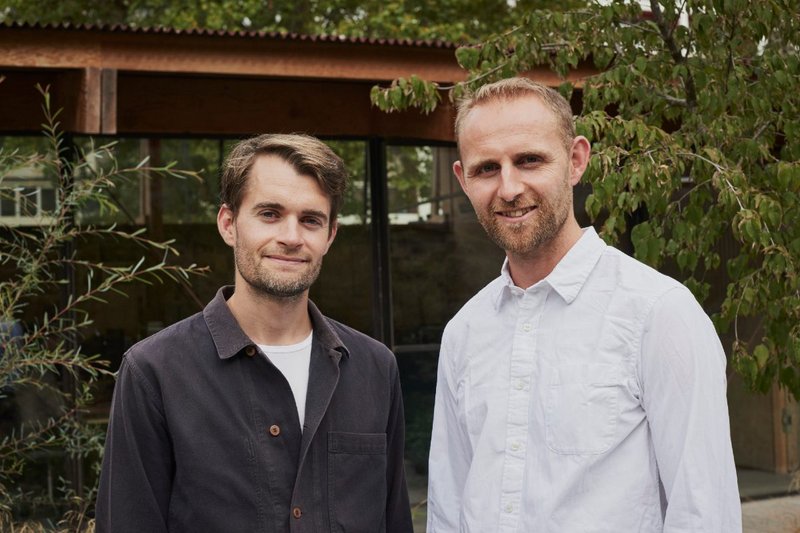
[(485, 169), (269, 214), (312, 222), (530, 160)]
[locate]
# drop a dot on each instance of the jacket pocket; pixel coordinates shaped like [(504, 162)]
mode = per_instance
[(582, 409), (357, 481)]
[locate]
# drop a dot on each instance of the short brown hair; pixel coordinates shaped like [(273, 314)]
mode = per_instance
[(512, 88), (308, 155)]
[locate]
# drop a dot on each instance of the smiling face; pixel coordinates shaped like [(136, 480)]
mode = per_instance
[(281, 231), (519, 176)]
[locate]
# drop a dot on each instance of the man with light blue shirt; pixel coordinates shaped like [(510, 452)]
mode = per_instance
[(581, 391)]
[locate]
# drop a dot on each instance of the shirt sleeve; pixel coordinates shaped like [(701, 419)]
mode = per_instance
[(136, 477), (683, 382), (450, 455), (398, 510)]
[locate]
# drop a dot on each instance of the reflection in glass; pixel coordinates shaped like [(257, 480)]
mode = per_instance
[(344, 288), (440, 257), (439, 253)]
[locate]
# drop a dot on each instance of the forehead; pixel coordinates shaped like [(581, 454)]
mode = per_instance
[(272, 179), (523, 119)]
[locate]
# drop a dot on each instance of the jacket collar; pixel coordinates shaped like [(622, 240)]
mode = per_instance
[(230, 340)]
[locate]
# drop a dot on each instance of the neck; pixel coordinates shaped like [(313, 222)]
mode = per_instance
[(269, 319), (529, 269)]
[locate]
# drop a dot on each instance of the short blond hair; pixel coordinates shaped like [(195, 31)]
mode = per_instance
[(519, 87)]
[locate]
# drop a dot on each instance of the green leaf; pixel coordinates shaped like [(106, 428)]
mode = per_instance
[(468, 57), (761, 355)]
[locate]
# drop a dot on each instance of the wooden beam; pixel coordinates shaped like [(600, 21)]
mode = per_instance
[(177, 105), (108, 101), (228, 55), (236, 55), (87, 119)]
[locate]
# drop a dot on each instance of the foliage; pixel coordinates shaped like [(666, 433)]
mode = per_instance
[(694, 116), (356, 196), (455, 20), (45, 289)]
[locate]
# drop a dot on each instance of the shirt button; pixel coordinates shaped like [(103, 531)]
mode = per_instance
[(519, 385), (297, 512), (509, 508), (274, 430), (515, 446), (250, 351), (526, 327)]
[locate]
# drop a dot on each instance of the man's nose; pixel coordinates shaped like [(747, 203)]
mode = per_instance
[(510, 183), (291, 233)]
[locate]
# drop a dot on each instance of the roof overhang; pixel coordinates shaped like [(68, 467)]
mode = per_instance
[(166, 82)]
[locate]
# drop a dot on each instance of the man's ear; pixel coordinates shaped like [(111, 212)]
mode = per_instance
[(226, 225), (579, 158), (458, 170)]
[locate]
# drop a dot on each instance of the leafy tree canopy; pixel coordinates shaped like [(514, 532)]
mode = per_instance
[(455, 20), (694, 115)]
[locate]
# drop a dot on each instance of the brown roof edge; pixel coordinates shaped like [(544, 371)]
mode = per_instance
[(277, 36)]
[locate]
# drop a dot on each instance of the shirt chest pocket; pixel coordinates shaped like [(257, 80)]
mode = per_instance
[(357, 481), (582, 408)]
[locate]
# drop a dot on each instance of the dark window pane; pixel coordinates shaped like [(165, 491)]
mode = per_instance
[(440, 255), (191, 200), (409, 170), (7, 202), (344, 288), (48, 200)]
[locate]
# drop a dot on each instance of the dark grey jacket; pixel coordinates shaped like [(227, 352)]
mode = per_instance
[(204, 435)]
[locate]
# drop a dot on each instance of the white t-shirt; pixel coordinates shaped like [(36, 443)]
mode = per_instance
[(293, 361)]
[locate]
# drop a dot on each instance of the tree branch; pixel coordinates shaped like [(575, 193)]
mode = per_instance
[(674, 51)]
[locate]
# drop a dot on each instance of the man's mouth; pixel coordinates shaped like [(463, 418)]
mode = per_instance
[(515, 213), (289, 259)]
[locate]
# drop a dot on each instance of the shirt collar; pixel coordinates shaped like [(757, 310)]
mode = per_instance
[(229, 338), (569, 275)]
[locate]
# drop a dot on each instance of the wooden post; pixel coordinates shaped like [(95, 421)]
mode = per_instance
[(108, 101)]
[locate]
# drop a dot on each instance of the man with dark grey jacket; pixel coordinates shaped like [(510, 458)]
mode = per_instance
[(261, 414)]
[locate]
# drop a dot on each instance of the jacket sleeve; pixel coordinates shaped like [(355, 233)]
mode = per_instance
[(451, 452), (398, 511), (683, 383), (136, 477)]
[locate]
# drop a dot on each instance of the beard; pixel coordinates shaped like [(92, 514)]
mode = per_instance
[(274, 283), (525, 238)]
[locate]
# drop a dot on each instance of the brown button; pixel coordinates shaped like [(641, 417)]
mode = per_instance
[(274, 430), (250, 351), (296, 512)]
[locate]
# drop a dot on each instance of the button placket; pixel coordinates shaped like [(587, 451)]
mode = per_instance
[(523, 355)]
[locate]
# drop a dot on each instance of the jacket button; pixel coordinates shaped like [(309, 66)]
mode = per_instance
[(250, 351), (297, 512), (274, 430)]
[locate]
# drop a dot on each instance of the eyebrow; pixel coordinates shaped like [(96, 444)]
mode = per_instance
[(280, 207)]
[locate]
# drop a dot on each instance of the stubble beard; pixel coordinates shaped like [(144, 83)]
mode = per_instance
[(272, 284), (525, 239)]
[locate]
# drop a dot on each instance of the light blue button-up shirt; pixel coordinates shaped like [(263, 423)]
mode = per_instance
[(593, 401)]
